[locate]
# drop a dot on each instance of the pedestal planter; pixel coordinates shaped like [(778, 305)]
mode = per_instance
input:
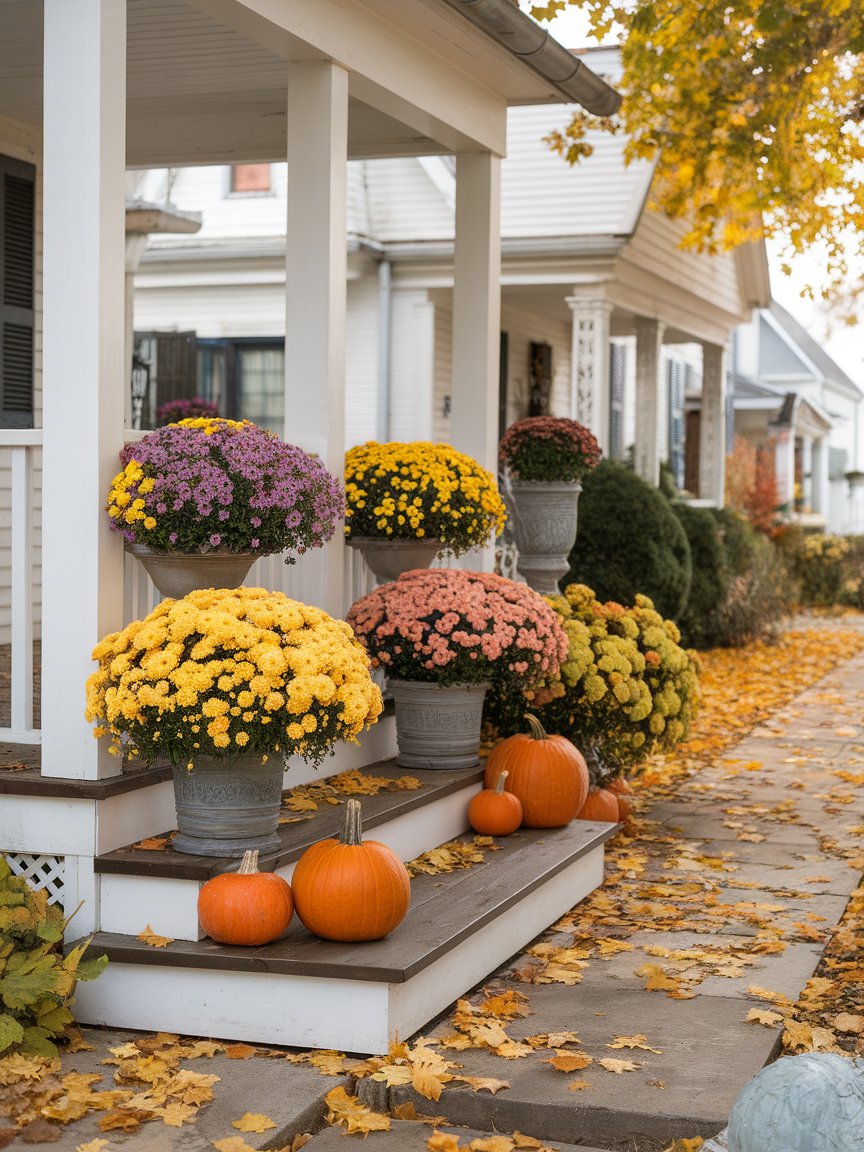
[(437, 727), (544, 527), (388, 559), (226, 807), (176, 573)]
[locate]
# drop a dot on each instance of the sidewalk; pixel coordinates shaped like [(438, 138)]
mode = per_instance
[(731, 884)]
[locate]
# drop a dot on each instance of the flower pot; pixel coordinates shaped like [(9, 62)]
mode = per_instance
[(388, 559), (225, 807), (437, 727), (177, 573), (544, 527)]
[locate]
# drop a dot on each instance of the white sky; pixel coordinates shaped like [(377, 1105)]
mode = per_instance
[(845, 344)]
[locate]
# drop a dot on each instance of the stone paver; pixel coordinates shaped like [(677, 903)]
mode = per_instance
[(411, 1137)]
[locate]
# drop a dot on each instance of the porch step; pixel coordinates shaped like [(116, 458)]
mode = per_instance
[(141, 886), (302, 991)]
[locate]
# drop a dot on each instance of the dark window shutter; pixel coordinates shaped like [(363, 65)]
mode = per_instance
[(17, 222)]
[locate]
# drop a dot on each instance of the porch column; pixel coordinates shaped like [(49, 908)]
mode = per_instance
[(819, 484), (316, 293), (649, 397), (712, 426), (784, 467), (477, 307), (589, 366), (84, 364)]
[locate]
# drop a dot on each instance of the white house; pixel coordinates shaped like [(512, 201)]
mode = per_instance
[(792, 400), (88, 90), (603, 317)]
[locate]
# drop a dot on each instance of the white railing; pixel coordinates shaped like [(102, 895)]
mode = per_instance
[(19, 446)]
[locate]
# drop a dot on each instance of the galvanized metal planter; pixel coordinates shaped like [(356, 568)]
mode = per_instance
[(437, 727), (176, 573), (225, 807), (544, 527), (388, 559)]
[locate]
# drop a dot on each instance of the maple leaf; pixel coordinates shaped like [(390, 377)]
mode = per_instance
[(123, 1119), (149, 937), (569, 1061), (232, 1144), (656, 979), (508, 1004), (175, 1113), (17, 1067), (766, 994), (328, 1063), (240, 1051), (847, 1022), (92, 1145), (300, 804), (608, 946), (520, 1140), (638, 1041), (763, 1016), (443, 1142), (347, 1110), (577, 1085), (203, 1048), (253, 1122), (618, 1066), (484, 1083), (492, 1144), (152, 844)]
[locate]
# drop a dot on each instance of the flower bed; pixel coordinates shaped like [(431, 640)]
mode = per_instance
[(210, 483), (420, 490)]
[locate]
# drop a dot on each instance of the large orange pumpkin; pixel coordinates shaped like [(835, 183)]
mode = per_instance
[(351, 889), (547, 773), (494, 812), (247, 906), (600, 805)]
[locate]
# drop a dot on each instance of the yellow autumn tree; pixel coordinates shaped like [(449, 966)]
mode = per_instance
[(753, 111)]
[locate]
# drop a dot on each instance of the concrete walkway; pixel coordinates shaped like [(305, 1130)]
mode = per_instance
[(732, 883)]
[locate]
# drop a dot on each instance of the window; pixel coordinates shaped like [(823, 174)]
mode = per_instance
[(246, 178), (17, 223), (245, 377)]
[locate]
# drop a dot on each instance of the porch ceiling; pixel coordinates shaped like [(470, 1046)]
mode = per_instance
[(206, 79)]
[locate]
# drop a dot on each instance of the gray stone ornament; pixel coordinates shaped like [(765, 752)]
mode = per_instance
[(808, 1103)]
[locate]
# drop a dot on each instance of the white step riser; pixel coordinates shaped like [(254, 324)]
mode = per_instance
[(74, 826), (128, 903), (350, 1015)]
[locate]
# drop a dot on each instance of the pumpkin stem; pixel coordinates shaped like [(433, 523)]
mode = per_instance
[(538, 732), (250, 863), (352, 824), (499, 783)]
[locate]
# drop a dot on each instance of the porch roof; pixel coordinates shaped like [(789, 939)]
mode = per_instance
[(207, 79)]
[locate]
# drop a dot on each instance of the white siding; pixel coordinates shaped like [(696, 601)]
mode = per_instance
[(361, 368), (404, 203), (413, 319), (214, 301), (524, 328)]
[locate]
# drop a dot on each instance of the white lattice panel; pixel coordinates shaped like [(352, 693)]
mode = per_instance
[(40, 872)]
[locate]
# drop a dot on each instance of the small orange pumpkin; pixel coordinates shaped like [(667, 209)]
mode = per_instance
[(547, 773), (600, 805), (246, 906), (494, 812), (351, 889)]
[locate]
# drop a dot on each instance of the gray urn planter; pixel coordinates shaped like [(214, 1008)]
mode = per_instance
[(544, 527), (175, 574), (388, 559), (437, 727), (224, 808)]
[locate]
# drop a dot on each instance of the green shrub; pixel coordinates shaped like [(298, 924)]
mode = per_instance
[(36, 979), (630, 542), (627, 687), (711, 576), (828, 568)]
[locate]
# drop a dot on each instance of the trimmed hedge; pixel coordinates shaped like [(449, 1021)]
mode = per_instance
[(630, 542)]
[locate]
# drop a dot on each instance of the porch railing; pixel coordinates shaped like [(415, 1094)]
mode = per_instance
[(20, 453)]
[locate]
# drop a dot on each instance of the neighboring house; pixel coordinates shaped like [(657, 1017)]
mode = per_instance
[(89, 88), (796, 404), (603, 317)]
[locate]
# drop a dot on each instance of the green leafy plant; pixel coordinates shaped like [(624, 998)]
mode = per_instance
[(626, 687), (630, 542), (36, 980)]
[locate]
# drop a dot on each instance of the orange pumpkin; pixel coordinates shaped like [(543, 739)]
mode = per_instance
[(350, 889), (624, 809), (621, 786), (246, 906), (547, 773), (494, 812), (600, 805)]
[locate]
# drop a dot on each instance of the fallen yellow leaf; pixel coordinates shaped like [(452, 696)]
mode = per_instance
[(618, 1066), (347, 1110), (253, 1122), (151, 938), (763, 1016), (232, 1144), (570, 1061), (638, 1041)]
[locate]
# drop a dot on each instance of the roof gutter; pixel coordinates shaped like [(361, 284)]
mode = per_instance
[(528, 42)]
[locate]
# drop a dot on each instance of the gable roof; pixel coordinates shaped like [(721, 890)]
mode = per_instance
[(812, 350)]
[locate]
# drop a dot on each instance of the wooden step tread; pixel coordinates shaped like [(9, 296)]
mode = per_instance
[(305, 830), (446, 909)]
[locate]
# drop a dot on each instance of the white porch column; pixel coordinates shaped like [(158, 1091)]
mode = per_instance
[(807, 473), (712, 426), (649, 397), (819, 483), (477, 307), (316, 293), (784, 467), (589, 366), (84, 365)]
